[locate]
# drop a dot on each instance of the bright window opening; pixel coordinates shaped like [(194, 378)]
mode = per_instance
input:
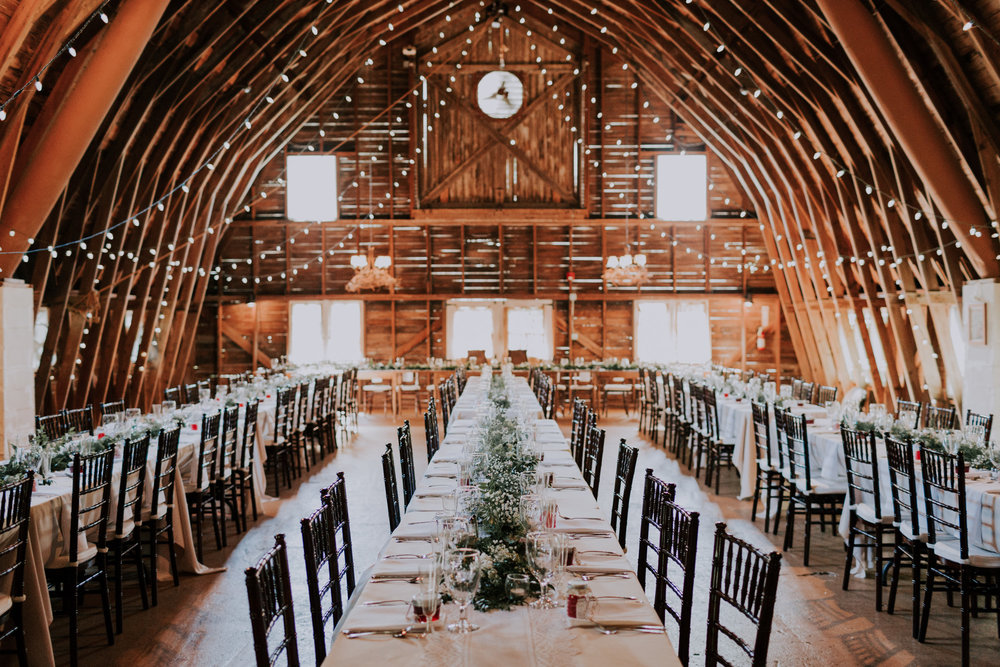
[(325, 331), (471, 329), (526, 330), (311, 190), (496, 326), (673, 332), (681, 187)]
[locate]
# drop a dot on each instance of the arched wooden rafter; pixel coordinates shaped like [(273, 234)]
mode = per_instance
[(185, 95)]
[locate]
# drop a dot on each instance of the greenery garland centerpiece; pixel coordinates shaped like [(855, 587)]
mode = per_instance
[(497, 510)]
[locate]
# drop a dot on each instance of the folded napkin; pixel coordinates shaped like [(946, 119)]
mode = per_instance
[(434, 492), (989, 487), (416, 530), (595, 526), (601, 568), (391, 567), (558, 457), (377, 618), (426, 505), (568, 483), (611, 613)]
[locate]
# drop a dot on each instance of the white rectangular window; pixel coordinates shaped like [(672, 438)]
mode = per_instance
[(325, 331), (311, 188), (681, 187), (672, 332), (496, 326), (529, 329)]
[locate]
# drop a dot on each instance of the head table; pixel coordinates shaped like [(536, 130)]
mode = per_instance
[(522, 635), (50, 520)]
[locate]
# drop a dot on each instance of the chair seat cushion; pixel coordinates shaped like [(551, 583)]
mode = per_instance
[(128, 526), (867, 513), (377, 387), (617, 387), (408, 387), (762, 464), (62, 560), (161, 512), (950, 550), (6, 602), (821, 487), (906, 530), (582, 387)]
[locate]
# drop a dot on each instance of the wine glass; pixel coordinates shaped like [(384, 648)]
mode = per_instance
[(169, 407), (541, 550), (132, 415), (531, 510), (462, 568), (993, 451), (425, 605)]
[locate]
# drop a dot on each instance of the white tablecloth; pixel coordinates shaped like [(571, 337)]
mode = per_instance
[(518, 637)]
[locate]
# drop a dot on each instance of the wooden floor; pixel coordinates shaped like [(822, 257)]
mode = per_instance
[(205, 620)]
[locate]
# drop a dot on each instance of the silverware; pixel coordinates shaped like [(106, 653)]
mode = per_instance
[(580, 518), (597, 552), (401, 580), (407, 556), (414, 539), (582, 536), (380, 603), (615, 629), (598, 575), (614, 597), (404, 633)]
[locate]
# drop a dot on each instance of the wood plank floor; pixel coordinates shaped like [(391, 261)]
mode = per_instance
[(205, 620)]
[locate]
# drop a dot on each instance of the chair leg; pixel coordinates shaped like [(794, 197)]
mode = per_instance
[(106, 602), (966, 612), (22, 647), (221, 493), (777, 510), (119, 595), (173, 554), (756, 498), (850, 551), (71, 598), (789, 524), (879, 561), (897, 561), (153, 583), (925, 607), (808, 533), (213, 506), (141, 574)]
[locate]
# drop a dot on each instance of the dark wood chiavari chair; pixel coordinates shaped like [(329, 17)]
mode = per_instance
[(206, 384), (90, 507), (644, 397), (227, 460), (198, 489), (408, 474), (719, 452), (391, 488), (624, 476), (446, 404), (15, 510), (825, 394), (297, 439), (158, 524), (865, 504), (244, 471), (126, 539), (313, 427), (908, 412), (577, 429), (324, 553), (656, 406), (173, 394), (797, 388), (80, 420), (746, 579), (911, 544), (682, 421), (939, 417), (768, 468), (54, 426), (669, 410), (675, 548), (699, 427), (112, 407), (593, 458), (190, 393), (806, 391), (328, 423), (963, 567), (784, 467), (818, 500), (269, 591), (431, 430), (981, 423), (279, 453)]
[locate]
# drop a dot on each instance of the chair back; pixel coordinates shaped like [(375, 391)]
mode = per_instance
[(54, 426), (91, 501), (781, 435), (593, 456), (207, 448), (323, 553), (624, 475), (282, 401), (680, 403), (248, 448), (172, 394), (903, 483), (939, 417), (190, 393), (15, 510), (711, 408), (163, 475), (762, 432), (944, 497), (229, 440), (806, 391), (301, 407), (745, 579), (980, 425), (391, 489), (577, 426), (908, 412), (269, 591), (825, 394), (860, 457), (206, 384), (797, 439), (654, 494), (446, 403), (678, 551), (430, 430), (409, 475), (131, 487), (797, 388), (80, 420), (112, 407)]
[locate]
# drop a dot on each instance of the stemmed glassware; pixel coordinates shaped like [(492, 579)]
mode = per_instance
[(993, 450), (462, 568), (541, 548)]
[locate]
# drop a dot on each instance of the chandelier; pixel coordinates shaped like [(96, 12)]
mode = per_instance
[(627, 270), (371, 272)]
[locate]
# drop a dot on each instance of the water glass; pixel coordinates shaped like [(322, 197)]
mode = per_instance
[(541, 547), (461, 575), (531, 510), (518, 586)]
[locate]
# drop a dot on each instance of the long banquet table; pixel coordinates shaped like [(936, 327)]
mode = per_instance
[(50, 510), (521, 636)]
